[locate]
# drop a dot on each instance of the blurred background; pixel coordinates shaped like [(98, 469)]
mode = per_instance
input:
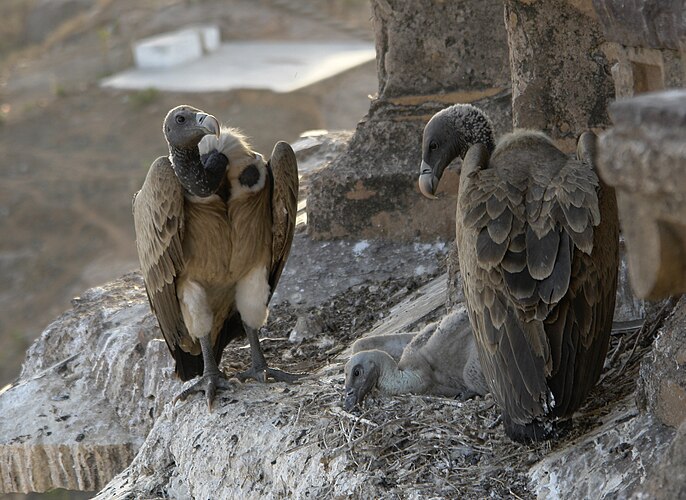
[(80, 120)]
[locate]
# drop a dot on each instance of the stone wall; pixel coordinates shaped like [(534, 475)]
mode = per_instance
[(430, 54), (645, 43)]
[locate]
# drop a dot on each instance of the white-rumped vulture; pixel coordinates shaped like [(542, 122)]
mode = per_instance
[(537, 241), (214, 225), (441, 359)]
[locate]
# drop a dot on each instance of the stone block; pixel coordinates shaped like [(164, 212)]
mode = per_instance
[(662, 382), (643, 156), (370, 190), (434, 47), (168, 50), (561, 81)]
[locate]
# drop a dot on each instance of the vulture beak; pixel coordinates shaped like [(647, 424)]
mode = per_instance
[(352, 398), (208, 123), (428, 181)]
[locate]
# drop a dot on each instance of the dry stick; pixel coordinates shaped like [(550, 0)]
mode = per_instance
[(659, 318), (351, 444)]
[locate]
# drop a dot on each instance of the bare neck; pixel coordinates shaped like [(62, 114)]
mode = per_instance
[(394, 380)]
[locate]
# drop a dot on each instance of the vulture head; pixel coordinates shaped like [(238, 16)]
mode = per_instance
[(361, 376), (185, 126), (447, 136)]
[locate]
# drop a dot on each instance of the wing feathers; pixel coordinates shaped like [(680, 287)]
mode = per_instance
[(283, 168), (537, 263)]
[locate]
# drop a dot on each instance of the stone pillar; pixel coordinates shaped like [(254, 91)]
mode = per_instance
[(644, 157), (430, 54), (561, 80)]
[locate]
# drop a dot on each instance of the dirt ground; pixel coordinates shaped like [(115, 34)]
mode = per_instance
[(72, 154)]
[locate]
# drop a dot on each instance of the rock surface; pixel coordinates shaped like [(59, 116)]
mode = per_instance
[(99, 377), (643, 157), (561, 80)]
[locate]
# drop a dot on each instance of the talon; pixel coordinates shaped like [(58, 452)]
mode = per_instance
[(207, 384)]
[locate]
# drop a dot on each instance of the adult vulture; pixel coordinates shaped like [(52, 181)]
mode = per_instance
[(537, 239), (214, 225)]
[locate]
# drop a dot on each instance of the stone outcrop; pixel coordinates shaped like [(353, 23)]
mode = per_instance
[(89, 392), (560, 75), (429, 55), (97, 388), (662, 387)]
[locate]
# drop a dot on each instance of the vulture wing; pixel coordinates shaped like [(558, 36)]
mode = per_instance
[(283, 172), (158, 221), (528, 239)]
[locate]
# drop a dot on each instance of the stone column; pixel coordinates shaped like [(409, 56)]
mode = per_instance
[(561, 80), (430, 54)]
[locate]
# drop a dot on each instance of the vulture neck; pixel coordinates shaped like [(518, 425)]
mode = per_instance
[(394, 380), (184, 159), (473, 127), (190, 171)]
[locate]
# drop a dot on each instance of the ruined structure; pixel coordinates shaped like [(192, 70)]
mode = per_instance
[(429, 55)]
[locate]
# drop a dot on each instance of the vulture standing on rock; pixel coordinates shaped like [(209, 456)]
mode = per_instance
[(214, 225), (537, 240), (440, 360)]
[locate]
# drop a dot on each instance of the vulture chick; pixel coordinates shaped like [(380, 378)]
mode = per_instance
[(214, 225), (537, 239), (440, 360)]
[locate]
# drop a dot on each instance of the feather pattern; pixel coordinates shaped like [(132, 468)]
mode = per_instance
[(537, 239), (184, 241)]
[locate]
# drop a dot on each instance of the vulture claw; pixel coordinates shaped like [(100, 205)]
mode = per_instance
[(207, 384)]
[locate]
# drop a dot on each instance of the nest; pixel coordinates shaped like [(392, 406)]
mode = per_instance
[(425, 446)]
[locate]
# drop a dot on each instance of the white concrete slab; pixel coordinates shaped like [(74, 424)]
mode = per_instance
[(278, 66)]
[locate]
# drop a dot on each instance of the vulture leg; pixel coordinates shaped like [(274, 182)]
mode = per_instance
[(212, 378), (259, 370)]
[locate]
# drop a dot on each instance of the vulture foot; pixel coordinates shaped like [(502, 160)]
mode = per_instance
[(262, 374), (208, 384)]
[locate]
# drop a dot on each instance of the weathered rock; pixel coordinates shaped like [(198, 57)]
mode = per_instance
[(610, 462), (662, 384), (668, 479), (658, 24), (429, 55), (646, 39), (90, 389), (644, 158), (560, 76), (426, 47)]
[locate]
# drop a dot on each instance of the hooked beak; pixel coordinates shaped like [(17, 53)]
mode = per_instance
[(351, 398), (428, 181), (208, 123)]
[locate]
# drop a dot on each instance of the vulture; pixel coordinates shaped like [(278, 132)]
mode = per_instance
[(214, 225), (537, 240), (441, 360)]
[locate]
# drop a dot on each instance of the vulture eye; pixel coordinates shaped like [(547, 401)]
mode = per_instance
[(357, 372), (433, 146), (180, 119)]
